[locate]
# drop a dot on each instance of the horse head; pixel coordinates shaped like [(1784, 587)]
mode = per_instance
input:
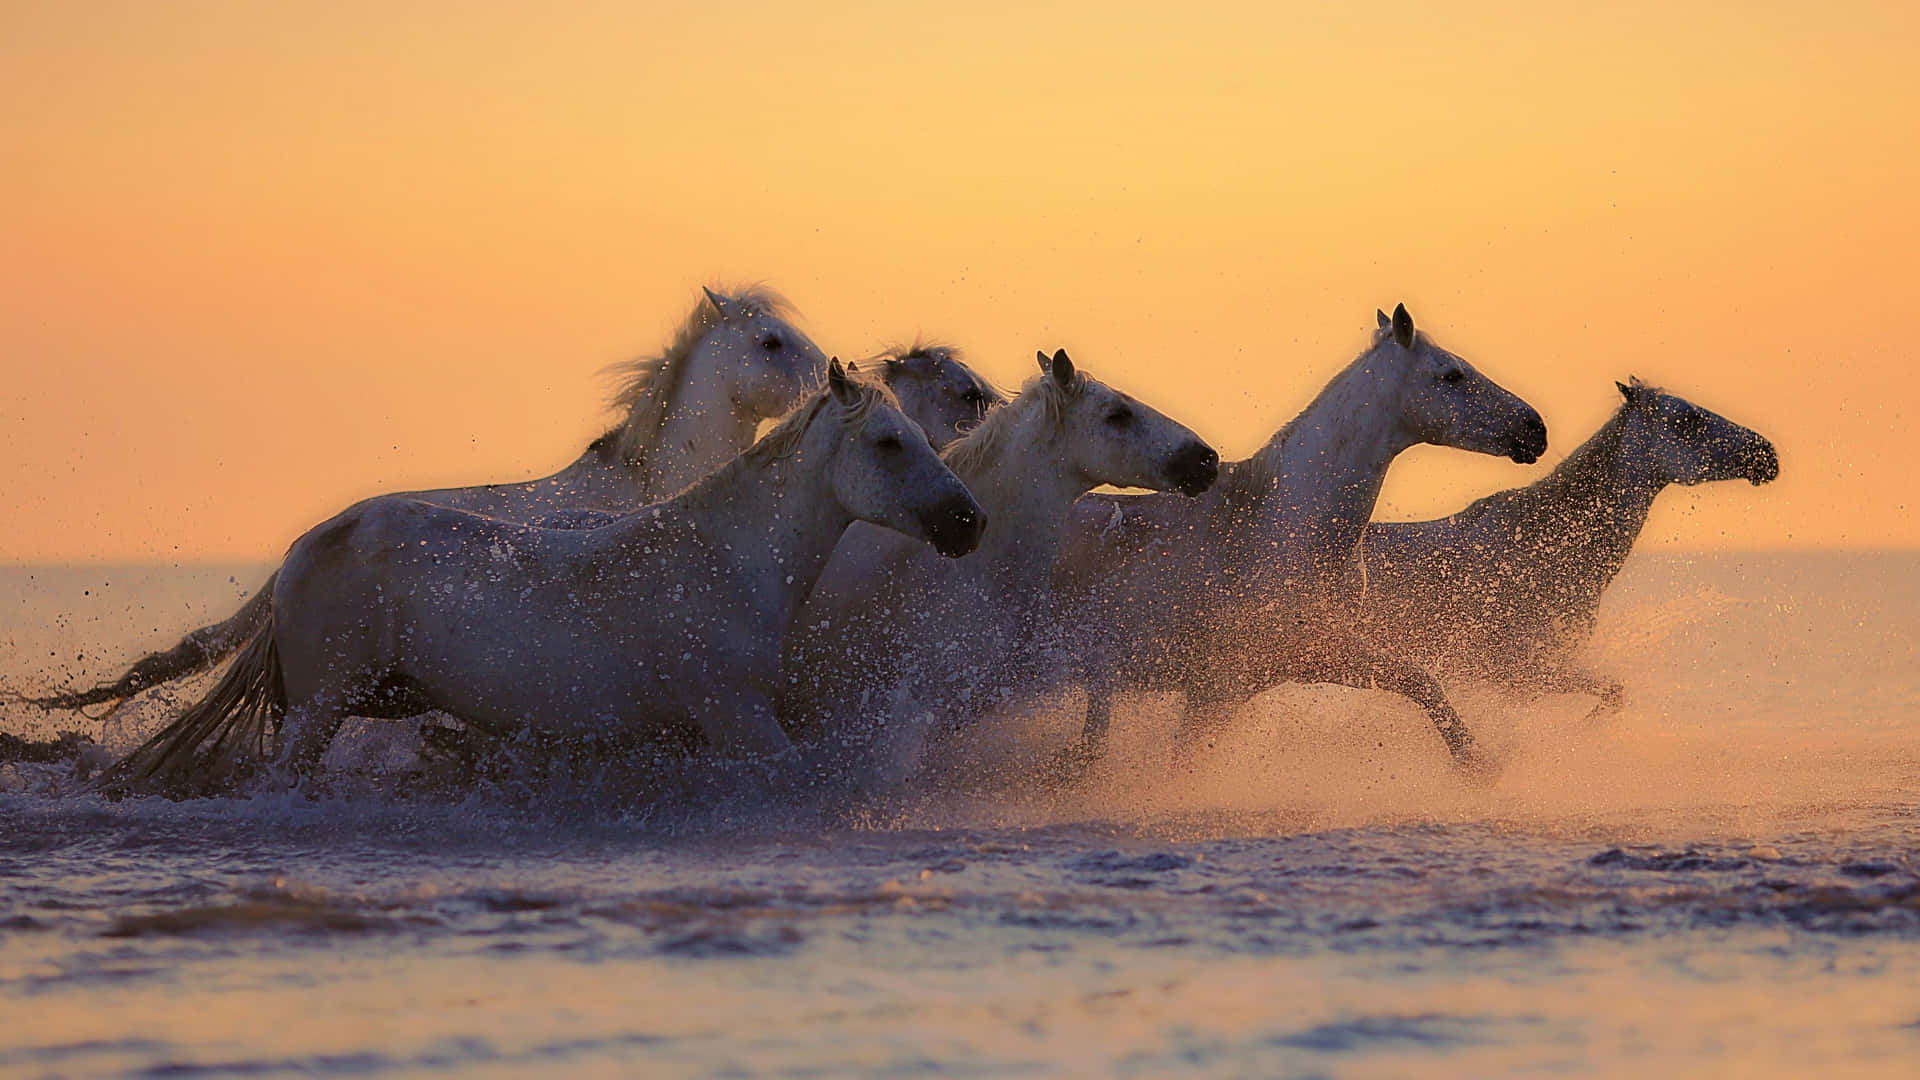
[(883, 469), (758, 361), (1686, 444), (942, 394), (1446, 402), (1114, 439)]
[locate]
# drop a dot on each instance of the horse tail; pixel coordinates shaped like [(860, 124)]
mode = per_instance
[(220, 741), (196, 652)]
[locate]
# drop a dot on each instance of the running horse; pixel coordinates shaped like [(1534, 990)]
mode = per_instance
[(669, 619), (1506, 589), (735, 362), (1225, 596)]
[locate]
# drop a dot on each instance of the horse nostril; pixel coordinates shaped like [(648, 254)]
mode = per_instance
[(1530, 442), (955, 526), (1193, 468)]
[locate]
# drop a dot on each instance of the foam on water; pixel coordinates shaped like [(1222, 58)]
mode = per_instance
[(1722, 874)]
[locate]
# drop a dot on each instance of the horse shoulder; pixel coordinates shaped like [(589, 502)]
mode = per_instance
[(362, 533)]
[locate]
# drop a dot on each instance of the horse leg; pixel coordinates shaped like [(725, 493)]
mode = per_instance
[(306, 732), (1201, 714), (1223, 681), (1362, 667), (1070, 764), (742, 725), (1612, 695)]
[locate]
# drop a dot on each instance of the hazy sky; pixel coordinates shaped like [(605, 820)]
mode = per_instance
[(257, 260)]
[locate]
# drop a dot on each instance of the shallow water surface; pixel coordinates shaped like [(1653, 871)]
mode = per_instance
[(1722, 879)]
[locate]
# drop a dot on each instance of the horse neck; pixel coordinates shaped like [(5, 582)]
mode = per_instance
[(777, 518), (702, 431), (1027, 488), (1314, 485), (1592, 505)]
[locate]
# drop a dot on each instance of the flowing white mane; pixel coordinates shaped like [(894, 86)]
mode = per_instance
[(928, 360), (1255, 476), (785, 437), (1043, 392), (932, 352), (650, 385)]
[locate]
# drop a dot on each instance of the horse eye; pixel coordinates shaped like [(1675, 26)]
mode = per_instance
[(1120, 417), (973, 396), (771, 343), (889, 443), (1453, 375)]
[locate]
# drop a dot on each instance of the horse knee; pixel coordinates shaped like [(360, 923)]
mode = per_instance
[(305, 736), (1418, 685)]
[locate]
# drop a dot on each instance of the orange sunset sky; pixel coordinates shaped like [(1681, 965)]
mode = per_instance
[(260, 259)]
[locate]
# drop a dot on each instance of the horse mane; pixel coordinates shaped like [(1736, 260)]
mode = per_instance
[(1639, 391), (1254, 476), (923, 360), (1043, 391), (1568, 473), (649, 385), (921, 349), (785, 437)]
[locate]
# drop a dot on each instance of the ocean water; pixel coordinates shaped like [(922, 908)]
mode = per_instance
[(1723, 879)]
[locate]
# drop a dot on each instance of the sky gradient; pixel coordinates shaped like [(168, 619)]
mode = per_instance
[(257, 261)]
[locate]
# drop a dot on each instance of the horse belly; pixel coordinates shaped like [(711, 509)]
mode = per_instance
[(519, 672)]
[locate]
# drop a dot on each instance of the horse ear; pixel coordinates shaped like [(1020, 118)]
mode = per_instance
[(853, 367), (1402, 326), (841, 387), (719, 302), (1061, 368), (1046, 365), (1628, 393), (1384, 321)]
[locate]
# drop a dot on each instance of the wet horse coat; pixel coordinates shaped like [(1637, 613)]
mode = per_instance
[(671, 616), (1230, 594), (1506, 589), (924, 643), (734, 363)]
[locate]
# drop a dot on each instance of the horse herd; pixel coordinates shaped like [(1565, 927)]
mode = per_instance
[(907, 550)]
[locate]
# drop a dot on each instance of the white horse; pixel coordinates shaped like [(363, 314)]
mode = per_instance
[(935, 389), (938, 392), (1226, 596), (669, 619), (942, 394), (1506, 589), (737, 361), (932, 641)]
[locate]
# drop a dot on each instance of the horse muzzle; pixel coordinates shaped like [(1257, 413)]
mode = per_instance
[(955, 526), (1193, 468), (1530, 443), (1760, 464)]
